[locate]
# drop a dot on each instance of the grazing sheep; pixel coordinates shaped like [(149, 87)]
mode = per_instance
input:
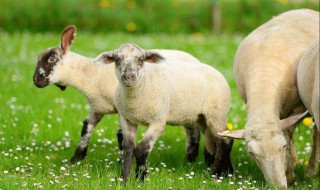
[(265, 72), (62, 67), (172, 93), (308, 86)]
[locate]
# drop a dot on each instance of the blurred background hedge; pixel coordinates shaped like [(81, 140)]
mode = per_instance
[(142, 16)]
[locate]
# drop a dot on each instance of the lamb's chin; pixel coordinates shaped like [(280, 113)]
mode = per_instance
[(127, 83)]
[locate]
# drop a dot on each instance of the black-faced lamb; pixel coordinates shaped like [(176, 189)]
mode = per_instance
[(156, 93), (62, 67)]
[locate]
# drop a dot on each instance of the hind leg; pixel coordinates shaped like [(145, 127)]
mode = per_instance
[(312, 168), (193, 138)]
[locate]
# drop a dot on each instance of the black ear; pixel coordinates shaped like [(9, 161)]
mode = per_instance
[(153, 57), (67, 37), (106, 57)]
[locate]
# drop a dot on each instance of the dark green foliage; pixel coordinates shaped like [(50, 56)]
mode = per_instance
[(141, 16)]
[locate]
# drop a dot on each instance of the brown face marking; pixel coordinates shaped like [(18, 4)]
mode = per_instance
[(46, 62)]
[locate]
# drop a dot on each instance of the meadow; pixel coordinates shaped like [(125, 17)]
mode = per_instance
[(40, 128)]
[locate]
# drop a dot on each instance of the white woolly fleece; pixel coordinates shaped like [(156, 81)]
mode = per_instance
[(308, 80), (176, 93), (98, 82)]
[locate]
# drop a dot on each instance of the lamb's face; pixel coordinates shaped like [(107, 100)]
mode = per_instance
[(269, 152), (45, 66), (129, 62)]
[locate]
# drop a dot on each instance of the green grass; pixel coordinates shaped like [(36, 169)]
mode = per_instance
[(34, 122)]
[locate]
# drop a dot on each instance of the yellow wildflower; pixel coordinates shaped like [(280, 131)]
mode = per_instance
[(131, 27), (306, 163), (307, 121), (131, 4), (104, 4), (284, 2), (230, 126)]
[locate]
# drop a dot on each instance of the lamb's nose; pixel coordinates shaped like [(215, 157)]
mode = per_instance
[(128, 76)]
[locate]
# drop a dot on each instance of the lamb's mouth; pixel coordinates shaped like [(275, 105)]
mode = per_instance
[(128, 83), (41, 83)]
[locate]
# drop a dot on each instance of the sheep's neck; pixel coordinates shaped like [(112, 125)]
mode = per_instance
[(81, 73), (263, 102)]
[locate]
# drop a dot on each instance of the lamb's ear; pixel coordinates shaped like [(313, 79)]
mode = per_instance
[(106, 57), (153, 57), (293, 120), (67, 37), (236, 134)]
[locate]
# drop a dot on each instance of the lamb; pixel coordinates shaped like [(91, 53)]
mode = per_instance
[(62, 67), (308, 87), (265, 68), (172, 93)]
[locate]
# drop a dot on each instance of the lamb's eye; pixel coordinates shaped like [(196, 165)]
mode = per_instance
[(52, 59), (251, 153), (116, 59), (284, 146)]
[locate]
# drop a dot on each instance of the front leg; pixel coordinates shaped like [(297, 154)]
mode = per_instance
[(129, 137), (120, 139), (144, 148), (88, 126), (291, 155), (312, 168)]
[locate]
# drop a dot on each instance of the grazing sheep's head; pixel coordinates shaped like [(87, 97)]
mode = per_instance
[(129, 60), (267, 145), (51, 57)]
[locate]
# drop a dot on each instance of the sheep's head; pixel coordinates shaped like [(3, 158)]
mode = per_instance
[(267, 145), (129, 60), (51, 57)]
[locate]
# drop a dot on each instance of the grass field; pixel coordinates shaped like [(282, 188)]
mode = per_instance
[(40, 128)]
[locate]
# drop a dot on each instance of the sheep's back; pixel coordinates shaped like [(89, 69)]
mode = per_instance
[(266, 61)]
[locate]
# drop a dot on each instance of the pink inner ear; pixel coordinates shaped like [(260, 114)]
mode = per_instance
[(67, 38), (293, 120)]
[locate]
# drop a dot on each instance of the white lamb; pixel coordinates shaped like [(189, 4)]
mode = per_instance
[(172, 93), (265, 70), (63, 68), (308, 86)]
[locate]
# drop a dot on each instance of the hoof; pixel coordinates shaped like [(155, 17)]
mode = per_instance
[(78, 155)]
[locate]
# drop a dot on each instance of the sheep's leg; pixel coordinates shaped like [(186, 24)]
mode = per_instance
[(193, 138), (209, 148), (120, 139), (129, 137), (312, 168), (291, 156), (222, 162), (144, 148), (88, 126)]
